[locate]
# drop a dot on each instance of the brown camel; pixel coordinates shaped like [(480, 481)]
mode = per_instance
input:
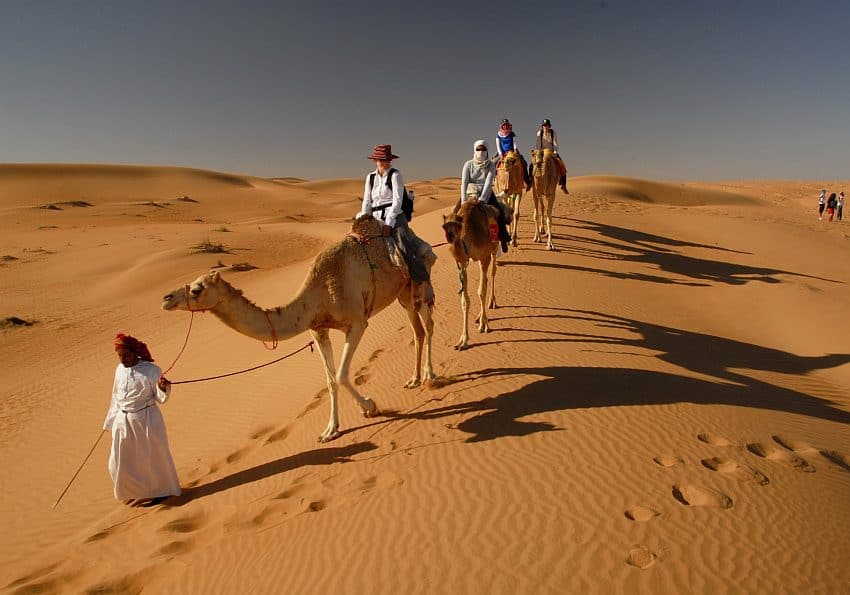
[(347, 283), (545, 173), (509, 185), (468, 232)]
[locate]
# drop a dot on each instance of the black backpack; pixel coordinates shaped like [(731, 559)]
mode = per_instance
[(406, 200)]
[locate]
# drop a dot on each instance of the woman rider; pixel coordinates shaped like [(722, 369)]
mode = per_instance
[(476, 181), (505, 143)]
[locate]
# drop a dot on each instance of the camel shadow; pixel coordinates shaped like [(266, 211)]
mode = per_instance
[(630, 245), (582, 388), (577, 388), (310, 458)]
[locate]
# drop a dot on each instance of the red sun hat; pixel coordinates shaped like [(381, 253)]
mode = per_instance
[(383, 153)]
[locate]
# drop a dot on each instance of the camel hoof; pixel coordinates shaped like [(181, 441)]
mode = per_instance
[(412, 383), (372, 411), (325, 438), (461, 346)]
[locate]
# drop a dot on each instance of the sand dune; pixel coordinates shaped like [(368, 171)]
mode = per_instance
[(662, 405)]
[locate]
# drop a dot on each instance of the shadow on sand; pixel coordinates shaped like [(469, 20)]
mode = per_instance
[(579, 388), (310, 458), (635, 246)]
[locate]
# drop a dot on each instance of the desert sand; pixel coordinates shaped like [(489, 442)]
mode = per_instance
[(661, 407)]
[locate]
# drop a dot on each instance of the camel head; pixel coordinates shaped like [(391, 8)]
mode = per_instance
[(539, 158), (451, 227), (204, 293)]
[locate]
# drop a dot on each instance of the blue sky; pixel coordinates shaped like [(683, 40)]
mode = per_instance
[(663, 90)]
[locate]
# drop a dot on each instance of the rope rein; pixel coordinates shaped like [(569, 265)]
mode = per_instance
[(288, 355)]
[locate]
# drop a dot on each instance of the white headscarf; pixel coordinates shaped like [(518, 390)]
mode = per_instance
[(479, 161)]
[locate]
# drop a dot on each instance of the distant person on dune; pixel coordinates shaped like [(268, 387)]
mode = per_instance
[(840, 206), (821, 204), (140, 461), (831, 204), (505, 143), (547, 138), (383, 196), (476, 181)]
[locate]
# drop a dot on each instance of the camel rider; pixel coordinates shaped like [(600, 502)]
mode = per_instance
[(547, 138), (505, 143), (476, 181), (382, 198)]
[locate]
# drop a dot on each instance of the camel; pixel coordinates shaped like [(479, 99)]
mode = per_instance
[(545, 174), (347, 283), (471, 235), (509, 186)]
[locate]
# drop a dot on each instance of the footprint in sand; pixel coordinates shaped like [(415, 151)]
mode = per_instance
[(378, 352), (104, 533), (317, 400), (714, 439), (743, 473), (34, 587), (261, 432), (236, 455), (314, 505), (175, 548), (668, 460), (793, 444), (641, 557), (186, 524), (641, 514), (281, 434), (692, 495), (125, 584), (361, 378), (837, 458), (773, 453)]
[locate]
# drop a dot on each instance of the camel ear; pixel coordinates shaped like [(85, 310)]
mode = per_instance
[(215, 276)]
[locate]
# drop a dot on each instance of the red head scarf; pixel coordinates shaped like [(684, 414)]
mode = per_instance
[(131, 343)]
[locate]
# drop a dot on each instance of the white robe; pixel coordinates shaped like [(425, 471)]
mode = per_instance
[(140, 462)]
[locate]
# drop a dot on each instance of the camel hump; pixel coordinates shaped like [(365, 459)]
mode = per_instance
[(366, 227), (477, 206)]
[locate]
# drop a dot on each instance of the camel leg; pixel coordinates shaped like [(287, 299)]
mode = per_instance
[(549, 245), (326, 352), (515, 221), (427, 316), (483, 325), (352, 340), (463, 342), (418, 336), (492, 267), (537, 216)]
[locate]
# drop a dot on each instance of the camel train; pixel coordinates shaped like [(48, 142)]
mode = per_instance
[(354, 279)]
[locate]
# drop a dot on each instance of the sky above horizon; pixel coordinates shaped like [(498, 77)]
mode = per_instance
[(673, 90)]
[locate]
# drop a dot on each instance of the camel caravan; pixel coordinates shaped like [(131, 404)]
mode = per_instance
[(381, 260)]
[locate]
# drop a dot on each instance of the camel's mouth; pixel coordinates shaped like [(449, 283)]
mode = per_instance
[(168, 302)]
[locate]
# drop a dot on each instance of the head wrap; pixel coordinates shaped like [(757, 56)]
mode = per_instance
[(480, 143), (131, 343)]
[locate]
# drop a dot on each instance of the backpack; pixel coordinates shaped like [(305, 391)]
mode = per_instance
[(406, 198)]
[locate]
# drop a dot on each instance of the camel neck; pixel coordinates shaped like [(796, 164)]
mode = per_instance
[(279, 323)]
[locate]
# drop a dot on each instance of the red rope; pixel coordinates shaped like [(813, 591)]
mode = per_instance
[(186, 342), (310, 345), (274, 334)]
